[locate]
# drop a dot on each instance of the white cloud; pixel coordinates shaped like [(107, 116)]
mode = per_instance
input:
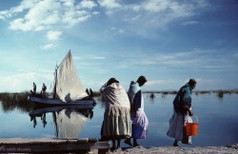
[(98, 57), (189, 23), (168, 11), (95, 13), (53, 35), (23, 81), (116, 30), (48, 46), (40, 15), (201, 59), (72, 17), (158, 6), (147, 15), (169, 7), (143, 18), (88, 4), (161, 82), (110, 4), (165, 84), (4, 15), (25, 4)]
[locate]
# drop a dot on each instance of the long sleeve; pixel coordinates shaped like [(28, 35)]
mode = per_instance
[(137, 100)]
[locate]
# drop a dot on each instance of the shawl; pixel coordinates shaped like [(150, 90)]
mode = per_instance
[(116, 98), (133, 89), (183, 97)]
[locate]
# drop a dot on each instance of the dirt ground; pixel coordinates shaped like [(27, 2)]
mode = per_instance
[(232, 149)]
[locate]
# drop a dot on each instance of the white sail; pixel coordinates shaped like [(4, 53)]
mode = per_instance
[(68, 87)]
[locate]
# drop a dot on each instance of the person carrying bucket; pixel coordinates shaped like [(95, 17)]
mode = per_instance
[(182, 108)]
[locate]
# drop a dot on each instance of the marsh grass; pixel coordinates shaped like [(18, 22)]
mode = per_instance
[(10, 101)]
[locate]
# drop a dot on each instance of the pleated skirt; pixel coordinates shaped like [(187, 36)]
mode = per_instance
[(116, 124)]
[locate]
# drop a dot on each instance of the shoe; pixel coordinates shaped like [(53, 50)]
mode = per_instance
[(128, 142), (186, 142), (136, 144), (113, 149), (175, 143)]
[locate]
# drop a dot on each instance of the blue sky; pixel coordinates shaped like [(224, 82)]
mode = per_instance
[(166, 41)]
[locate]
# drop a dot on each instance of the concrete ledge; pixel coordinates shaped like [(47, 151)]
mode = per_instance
[(37, 145)]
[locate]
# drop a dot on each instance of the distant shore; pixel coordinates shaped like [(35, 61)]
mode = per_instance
[(231, 149), (20, 98), (164, 92)]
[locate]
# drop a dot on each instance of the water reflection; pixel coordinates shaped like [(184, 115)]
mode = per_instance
[(12, 101), (68, 121), (212, 112)]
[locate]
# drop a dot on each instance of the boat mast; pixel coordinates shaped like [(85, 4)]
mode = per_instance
[(56, 125), (54, 91)]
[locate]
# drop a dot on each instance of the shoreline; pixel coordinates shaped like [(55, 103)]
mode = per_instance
[(229, 149), (93, 146)]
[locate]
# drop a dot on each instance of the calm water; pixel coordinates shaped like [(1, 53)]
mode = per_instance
[(217, 118)]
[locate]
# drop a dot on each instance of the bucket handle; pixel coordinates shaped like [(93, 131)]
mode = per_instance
[(195, 117), (193, 121)]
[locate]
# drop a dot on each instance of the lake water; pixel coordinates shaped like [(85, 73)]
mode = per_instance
[(217, 118)]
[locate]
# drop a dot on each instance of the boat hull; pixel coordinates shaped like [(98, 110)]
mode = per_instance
[(85, 103)]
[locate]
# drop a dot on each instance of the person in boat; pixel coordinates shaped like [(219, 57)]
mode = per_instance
[(117, 120), (33, 92), (182, 108), (43, 94), (139, 119), (89, 92)]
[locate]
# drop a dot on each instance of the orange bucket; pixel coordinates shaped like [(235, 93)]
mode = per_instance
[(191, 128)]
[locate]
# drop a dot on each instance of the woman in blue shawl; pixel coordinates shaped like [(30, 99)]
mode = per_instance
[(138, 116), (182, 107)]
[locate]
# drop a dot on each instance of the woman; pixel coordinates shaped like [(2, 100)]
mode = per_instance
[(139, 119), (117, 120), (182, 108)]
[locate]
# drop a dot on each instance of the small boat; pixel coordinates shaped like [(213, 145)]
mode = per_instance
[(67, 89)]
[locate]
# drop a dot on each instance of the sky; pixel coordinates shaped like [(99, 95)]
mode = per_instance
[(167, 41)]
